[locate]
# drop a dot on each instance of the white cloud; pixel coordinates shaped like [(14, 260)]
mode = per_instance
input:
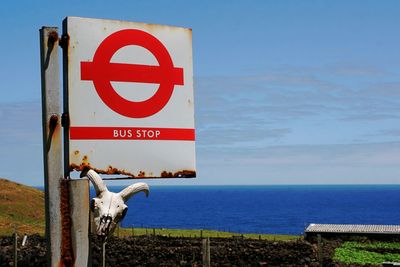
[(21, 123), (21, 142), (282, 99), (304, 126), (357, 163)]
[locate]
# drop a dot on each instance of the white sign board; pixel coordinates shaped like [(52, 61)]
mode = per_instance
[(130, 98)]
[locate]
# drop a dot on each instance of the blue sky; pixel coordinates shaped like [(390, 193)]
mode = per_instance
[(286, 92)]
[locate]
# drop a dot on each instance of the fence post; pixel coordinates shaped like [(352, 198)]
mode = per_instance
[(24, 240), (206, 252), (319, 249), (15, 247)]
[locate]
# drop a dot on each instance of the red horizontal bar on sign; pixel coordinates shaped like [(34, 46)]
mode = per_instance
[(130, 133), (122, 72)]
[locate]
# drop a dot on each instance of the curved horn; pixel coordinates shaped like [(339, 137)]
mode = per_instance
[(128, 192), (97, 182)]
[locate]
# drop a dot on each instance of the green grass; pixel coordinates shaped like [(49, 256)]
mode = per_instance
[(198, 233), (358, 253), (372, 245), (21, 206)]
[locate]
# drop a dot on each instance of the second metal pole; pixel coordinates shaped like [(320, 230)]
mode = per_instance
[(103, 254)]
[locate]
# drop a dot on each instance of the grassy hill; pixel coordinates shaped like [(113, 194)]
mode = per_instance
[(22, 206)]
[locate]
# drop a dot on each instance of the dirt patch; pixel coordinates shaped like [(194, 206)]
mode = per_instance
[(168, 251)]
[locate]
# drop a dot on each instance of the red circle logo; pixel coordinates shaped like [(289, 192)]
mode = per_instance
[(101, 71)]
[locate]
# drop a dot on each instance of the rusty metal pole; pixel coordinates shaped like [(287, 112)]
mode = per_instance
[(67, 201), (79, 202), (52, 146)]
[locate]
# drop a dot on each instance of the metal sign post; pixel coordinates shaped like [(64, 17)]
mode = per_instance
[(66, 201), (52, 145)]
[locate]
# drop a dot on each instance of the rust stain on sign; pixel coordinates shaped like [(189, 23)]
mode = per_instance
[(110, 170), (84, 163), (179, 174)]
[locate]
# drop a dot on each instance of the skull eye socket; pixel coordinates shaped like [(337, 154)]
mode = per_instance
[(124, 213), (92, 205)]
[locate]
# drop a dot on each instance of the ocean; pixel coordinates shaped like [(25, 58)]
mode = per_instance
[(262, 209)]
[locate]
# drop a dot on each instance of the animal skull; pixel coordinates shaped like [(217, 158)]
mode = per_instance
[(109, 208)]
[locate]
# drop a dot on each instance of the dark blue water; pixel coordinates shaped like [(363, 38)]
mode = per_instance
[(262, 209)]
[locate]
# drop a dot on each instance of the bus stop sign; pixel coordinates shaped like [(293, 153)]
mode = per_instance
[(130, 98)]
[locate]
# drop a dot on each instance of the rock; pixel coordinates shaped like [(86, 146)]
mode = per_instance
[(164, 251)]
